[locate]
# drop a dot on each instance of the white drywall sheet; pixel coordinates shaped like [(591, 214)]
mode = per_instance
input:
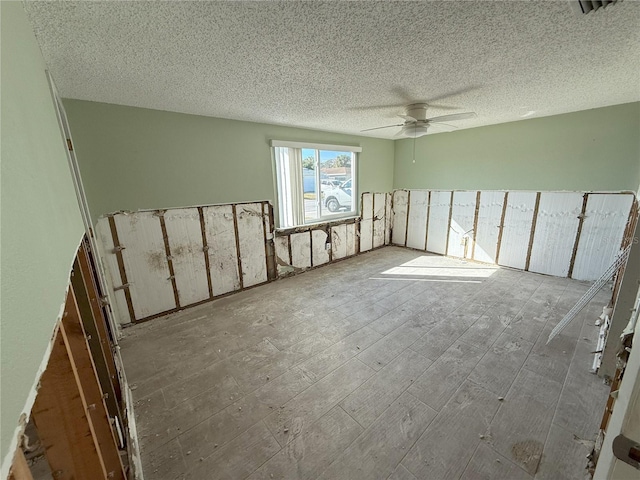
[(221, 243), (110, 264), (352, 246), (281, 245), (461, 229), (185, 244), (438, 222), (417, 229), (301, 249), (516, 230), (606, 217), (145, 261), (366, 224), (339, 241), (399, 226), (388, 220), (319, 250), (251, 238), (488, 226), (555, 232), (379, 201)]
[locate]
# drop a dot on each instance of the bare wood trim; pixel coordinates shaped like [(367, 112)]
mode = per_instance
[(289, 248), (235, 230), (94, 327), (446, 246), (373, 220), (406, 227), (426, 232), (205, 249), (581, 217), (270, 247), (90, 393), (501, 226), (356, 231), (61, 419), (167, 250), (391, 213), (533, 231), (384, 224), (121, 268), (311, 247), (264, 240), (475, 225), (19, 468)]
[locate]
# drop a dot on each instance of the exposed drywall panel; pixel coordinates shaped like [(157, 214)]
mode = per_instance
[(110, 264), (488, 226), (319, 251), (281, 245), (461, 227), (352, 245), (388, 218), (556, 226), (601, 236), (145, 261), (184, 233), (251, 238), (379, 202), (339, 241), (589, 150), (417, 228), (438, 222), (366, 224), (221, 243), (516, 230), (221, 161), (399, 225), (301, 249)]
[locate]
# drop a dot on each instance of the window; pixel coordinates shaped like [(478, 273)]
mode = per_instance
[(315, 182)]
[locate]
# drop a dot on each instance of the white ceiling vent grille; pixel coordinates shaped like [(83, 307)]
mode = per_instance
[(586, 6)]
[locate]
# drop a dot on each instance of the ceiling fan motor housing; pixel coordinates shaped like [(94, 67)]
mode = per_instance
[(417, 111)]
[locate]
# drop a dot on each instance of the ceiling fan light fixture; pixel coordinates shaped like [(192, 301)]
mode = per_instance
[(414, 131)]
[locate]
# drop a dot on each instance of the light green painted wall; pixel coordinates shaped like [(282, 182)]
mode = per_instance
[(595, 149), (41, 225), (134, 158)]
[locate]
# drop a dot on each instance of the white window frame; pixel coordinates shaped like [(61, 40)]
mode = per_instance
[(290, 188)]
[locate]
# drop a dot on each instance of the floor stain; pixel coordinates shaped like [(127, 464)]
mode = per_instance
[(528, 453)]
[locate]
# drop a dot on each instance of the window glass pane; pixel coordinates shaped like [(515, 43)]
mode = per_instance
[(309, 184), (335, 182)]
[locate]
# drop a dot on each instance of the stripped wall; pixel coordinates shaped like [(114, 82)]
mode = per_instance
[(165, 260), (567, 234), (301, 248), (161, 261)]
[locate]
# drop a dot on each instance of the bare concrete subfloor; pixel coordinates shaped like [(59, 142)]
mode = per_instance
[(391, 365)]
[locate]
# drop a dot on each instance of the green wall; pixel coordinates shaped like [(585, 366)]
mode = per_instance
[(41, 223), (134, 158), (595, 149)]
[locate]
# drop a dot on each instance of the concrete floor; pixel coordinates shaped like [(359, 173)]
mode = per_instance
[(393, 364)]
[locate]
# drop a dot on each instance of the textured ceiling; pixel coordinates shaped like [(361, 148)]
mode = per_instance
[(317, 64)]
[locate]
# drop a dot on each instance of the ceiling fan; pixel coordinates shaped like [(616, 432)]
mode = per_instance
[(416, 124)]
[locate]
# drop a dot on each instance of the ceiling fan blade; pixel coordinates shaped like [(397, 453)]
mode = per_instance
[(378, 128), (408, 118), (454, 93), (452, 117)]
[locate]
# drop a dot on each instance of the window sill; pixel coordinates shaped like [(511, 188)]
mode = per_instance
[(313, 226)]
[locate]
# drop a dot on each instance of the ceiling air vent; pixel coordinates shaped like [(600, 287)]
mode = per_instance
[(586, 6)]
